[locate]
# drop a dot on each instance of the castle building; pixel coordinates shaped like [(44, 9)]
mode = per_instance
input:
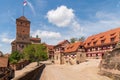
[(74, 53), (97, 45), (23, 35), (50, 51), (59, 50)]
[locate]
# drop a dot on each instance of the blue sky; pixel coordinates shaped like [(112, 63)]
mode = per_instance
[(56, 20)]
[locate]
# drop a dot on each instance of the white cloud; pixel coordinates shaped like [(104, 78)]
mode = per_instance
[(6, 40), (76, 26), (46, 34), (63, 17)]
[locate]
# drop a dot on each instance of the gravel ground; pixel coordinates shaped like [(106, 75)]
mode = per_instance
[(84, 71)]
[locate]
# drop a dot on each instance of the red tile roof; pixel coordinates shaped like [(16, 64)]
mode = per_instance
[(73, 47), (63, 42), (50, 47), (23, 18), (104, 36), (35, 39), (3, 62)]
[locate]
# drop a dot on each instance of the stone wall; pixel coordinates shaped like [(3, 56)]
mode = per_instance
[(110, 64), (111, 75), (20, 65), (32, 75)]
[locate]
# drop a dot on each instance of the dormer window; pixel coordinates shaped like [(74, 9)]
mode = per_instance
[(71, 46), (94, 43), (93, 38), (101, 36), (81, 47), (88, 44), (112, 34), (112, 39), (102, 41)]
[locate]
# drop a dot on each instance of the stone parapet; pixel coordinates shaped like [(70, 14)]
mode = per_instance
[(33, 74)]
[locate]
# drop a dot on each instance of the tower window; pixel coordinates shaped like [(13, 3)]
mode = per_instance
[(21, 23)]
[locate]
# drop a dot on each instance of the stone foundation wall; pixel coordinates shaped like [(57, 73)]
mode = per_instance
[(110, 64), (32, 75), (20, 65), (111, 75)]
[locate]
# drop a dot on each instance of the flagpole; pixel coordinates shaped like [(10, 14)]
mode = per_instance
[(24, 4), (23, 10)]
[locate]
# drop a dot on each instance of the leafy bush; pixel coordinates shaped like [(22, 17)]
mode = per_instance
[(15, 57), (35, 52)]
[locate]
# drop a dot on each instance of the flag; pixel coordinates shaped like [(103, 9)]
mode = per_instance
[(25, 3)]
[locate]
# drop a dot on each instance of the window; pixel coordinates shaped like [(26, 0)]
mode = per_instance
[(112, 39), (90, 49), (21, 23), (94, 43), (96, 49), (26, 24), (88, 44), (81, 47), (112, 34), (57, 57), (93, 38), (101, 36), (102, 41), (22, 46), (62, 49), (80, 55)]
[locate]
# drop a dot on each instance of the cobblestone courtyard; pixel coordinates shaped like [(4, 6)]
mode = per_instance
[(84, 71)]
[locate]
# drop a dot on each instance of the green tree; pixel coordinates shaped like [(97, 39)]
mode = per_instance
[(37, 36), (28, 53), (82, 38), (15, 57), (72, 40), (35, 52)]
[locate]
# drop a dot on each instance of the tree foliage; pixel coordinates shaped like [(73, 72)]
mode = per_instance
[(82, 38), (73, 40), (35, 52), (15, 57)]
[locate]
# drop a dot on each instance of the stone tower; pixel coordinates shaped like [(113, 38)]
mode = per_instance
[(22, 34), (22, 29)]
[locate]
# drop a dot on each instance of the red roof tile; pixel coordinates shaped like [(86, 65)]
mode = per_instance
[(50, 46), (35, 39), (73, 47), (105, 36), (62, 42), (23, 18)]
